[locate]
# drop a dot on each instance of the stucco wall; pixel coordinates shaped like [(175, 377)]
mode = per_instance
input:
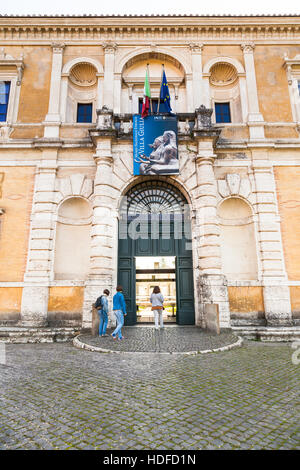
[(17, 192), (288, 194), (246, 300)]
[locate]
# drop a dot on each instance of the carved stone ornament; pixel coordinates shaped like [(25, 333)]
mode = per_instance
[(104, 118), (248, 47), (195, 47), (83, 74), (222, 74), (109, 47), (203, 117), (234, 185), (58, 47)]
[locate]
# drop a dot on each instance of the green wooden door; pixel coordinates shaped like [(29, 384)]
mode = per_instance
[(184, 284), (129, 249), (159, 198)]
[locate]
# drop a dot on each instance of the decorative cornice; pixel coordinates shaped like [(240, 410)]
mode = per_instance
[(191, 29)]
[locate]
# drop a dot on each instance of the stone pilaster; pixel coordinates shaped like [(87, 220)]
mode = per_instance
[(38, 270), (109, 68), (276, 291), (104, 215), (255, 118), (196, 52), (53, 117), (213, 284), (189, 92)]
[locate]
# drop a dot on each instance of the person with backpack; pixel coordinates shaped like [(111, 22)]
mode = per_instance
[(119, 308), (102, 306)]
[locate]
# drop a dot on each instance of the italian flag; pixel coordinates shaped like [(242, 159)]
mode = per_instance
[(147, 96)]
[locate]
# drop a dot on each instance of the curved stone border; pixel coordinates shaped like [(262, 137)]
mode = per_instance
[(81, 345)]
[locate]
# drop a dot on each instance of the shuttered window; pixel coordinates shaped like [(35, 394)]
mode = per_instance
[(84, 112), (222, 111), (4, 98)]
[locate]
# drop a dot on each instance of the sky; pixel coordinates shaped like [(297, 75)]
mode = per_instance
[(98, 7)]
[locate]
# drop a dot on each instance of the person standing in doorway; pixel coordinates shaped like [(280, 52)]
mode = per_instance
[(102, 305), (119, 308), (157, 302)]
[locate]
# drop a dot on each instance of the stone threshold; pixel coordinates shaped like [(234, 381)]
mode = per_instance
[(268, 333), (19, 334)]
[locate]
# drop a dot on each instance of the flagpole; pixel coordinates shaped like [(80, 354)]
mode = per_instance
[(150, 89), (161, 79)]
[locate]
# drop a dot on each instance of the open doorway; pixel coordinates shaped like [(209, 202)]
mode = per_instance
[(155, 271)]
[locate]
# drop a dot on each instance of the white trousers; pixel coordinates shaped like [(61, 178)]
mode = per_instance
[(158, 314)]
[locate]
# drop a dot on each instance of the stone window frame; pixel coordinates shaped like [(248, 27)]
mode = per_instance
[(292, 67), (135, 85), (97, 101), (215, 101), (13, 76), (242, 87)]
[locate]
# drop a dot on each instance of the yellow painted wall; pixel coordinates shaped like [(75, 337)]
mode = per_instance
[(273, 132), (65, 299), (295, 298), (35, 88), (16, 200), (10, 299), (246, 299), (288, 195), (272, 85)]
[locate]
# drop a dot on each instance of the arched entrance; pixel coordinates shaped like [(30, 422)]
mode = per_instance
[(154, 221)]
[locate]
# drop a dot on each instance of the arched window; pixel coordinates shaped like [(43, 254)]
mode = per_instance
[(80, 90), (72, 246), (225, 86), (239, 258), (133, 77)]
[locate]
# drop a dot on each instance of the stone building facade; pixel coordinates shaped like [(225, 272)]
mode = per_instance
[(61, 181)]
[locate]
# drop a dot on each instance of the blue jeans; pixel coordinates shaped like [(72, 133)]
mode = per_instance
[(120, 323), (103, 322)]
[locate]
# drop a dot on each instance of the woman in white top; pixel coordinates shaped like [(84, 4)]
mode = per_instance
[(157, 302)]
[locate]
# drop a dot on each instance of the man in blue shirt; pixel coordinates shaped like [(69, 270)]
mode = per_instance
[(119, 308)]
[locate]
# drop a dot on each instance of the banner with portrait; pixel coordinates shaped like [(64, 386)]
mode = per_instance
[(155, 149)]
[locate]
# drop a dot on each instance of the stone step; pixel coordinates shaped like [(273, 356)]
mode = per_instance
[(268, 333), (36, 335)]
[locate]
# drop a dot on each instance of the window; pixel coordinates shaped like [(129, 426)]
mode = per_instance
[(162, 108), (299, 87), (4, 97), (222, 111), (84, 112)]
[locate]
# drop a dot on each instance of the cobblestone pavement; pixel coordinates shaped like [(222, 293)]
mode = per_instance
[(168, 339), (54, 396)]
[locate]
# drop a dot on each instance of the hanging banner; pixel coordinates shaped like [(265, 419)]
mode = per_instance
[(155, 150)]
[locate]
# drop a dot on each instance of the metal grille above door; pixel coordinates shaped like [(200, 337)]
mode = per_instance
[(153, 197)]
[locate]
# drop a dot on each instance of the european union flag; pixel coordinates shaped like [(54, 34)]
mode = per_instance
[(165, 94)]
